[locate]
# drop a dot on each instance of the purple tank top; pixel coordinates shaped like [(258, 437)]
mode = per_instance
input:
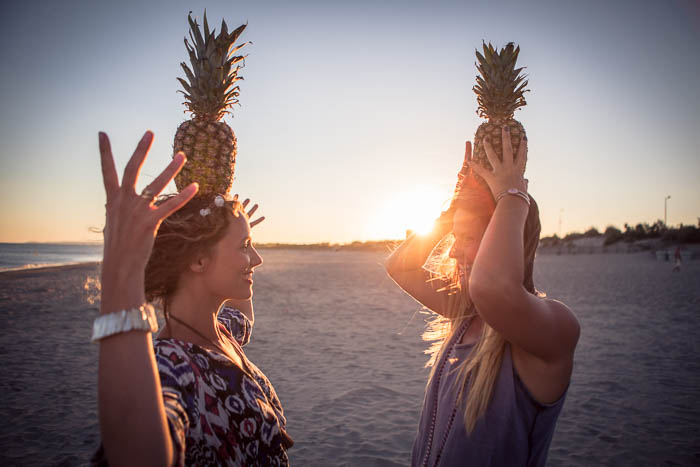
[(515, 431)]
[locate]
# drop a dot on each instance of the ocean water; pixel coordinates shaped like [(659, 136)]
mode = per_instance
[(15, 256)]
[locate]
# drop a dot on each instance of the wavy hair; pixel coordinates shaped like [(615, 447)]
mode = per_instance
[(181, 238)]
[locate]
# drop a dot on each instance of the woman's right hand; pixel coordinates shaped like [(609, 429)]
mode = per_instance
[(132, 221)]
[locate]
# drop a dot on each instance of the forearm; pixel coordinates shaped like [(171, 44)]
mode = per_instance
[(499, 264), (133, 424), (412, 254), (132, 417)]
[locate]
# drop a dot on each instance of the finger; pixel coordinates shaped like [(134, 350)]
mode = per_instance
[(245, 203), (490, 155), (157, 185), (176, 202), (133, 167), (467, 156), (252, 210), (109, 172), (522, 153), (257, 221), (507, 146), (235, 197), (481, 171)]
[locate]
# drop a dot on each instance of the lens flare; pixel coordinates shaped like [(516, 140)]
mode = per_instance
[(407, 211)]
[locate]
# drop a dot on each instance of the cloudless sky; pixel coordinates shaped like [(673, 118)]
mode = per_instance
[(353, 115)]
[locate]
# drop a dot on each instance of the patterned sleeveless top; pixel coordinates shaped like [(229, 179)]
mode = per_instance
[(515, 431)]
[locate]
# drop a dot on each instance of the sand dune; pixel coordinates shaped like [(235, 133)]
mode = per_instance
[(341, 343)]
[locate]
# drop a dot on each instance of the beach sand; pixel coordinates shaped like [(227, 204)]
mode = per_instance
[(341, 343)]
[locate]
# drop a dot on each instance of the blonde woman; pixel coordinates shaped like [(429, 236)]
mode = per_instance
[(503, 359)]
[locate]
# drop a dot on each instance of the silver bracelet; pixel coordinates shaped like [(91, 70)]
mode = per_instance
[(514, 192), (142, 318)]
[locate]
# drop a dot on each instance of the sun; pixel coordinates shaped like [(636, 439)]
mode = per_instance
[(410, 210)]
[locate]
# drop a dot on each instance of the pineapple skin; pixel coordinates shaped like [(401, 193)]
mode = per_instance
[(211, 150), (492, 131)]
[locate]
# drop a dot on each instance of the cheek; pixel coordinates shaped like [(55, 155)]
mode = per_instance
[(469, 251)]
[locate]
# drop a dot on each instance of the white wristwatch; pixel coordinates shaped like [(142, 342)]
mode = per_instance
[(142, 318)]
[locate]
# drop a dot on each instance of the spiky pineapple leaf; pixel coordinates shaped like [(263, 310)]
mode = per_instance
[(499, 85), (209, 94)]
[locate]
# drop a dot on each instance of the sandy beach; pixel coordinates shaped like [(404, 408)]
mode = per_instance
[(341, 343)]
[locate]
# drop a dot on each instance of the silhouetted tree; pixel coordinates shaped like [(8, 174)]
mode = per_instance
[(612, 235)]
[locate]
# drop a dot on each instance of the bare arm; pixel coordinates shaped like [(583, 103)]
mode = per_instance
[(405, 266), (133, 423), (546, 329)]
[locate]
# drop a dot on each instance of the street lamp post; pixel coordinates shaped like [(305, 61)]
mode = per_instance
[(666, 207), (561, 211)]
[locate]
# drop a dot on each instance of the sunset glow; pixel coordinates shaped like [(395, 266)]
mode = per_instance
[(414, 210), (338, 140)]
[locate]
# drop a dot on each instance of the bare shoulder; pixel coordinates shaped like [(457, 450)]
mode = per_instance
[(548, 378), (565, 322)]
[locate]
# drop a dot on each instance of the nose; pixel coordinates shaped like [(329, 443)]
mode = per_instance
[(455, 251), (255, 259)]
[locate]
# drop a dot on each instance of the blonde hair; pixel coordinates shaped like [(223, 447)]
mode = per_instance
[(477, 373)]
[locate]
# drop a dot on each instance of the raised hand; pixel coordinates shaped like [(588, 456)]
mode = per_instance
[(251, 212), (132, 223), (507, 174)]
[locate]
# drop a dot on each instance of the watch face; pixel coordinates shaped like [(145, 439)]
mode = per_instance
[(512, 191)]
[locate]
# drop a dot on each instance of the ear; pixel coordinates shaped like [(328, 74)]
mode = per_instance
[(200, 263)]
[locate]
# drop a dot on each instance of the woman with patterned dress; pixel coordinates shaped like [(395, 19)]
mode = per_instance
[(503, 353), (191, 396)]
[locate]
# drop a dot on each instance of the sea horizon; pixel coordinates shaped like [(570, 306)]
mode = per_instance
[(16, 256)]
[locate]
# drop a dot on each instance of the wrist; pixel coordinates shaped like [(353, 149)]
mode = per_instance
[(513, 192), (141, 318), (514, 205)]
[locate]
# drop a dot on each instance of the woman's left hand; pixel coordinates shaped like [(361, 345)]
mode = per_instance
[(507, 174), (251, 212)]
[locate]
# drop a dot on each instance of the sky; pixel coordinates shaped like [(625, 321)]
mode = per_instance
[(353, 115)]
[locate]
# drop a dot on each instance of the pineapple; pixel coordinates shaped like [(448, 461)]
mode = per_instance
[(499, 93), (210, 91)]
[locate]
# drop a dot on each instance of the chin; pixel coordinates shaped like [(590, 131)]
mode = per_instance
[(245, 294)]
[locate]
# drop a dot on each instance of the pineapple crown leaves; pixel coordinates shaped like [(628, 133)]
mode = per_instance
[(210, 89), (499, 86)]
